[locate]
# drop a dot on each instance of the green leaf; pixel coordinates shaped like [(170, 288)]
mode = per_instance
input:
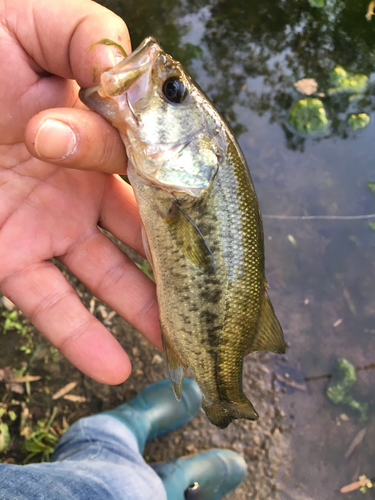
[(146, 268), (317, 3), (371, 186), (11, 322), (4, 438), (107, 41), (12, 415), (371, 225)]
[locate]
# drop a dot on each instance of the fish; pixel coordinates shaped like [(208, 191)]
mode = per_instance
[(202, 226)]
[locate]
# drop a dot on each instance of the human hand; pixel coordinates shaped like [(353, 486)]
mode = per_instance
[(49, 211)]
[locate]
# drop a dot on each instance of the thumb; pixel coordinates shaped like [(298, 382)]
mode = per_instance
[(217, 471)]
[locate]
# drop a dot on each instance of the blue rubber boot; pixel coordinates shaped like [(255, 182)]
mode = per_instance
[(217, 472), (155, 411)]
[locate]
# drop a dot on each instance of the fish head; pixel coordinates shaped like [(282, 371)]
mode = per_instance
[(170, 129)]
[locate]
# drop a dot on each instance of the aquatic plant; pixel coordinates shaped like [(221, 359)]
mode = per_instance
[(359, 120), (343, 81), (308, 116), (339, 389)]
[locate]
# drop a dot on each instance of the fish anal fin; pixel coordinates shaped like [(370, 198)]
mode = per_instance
[(270, 334), (188, 237), (176, 369)]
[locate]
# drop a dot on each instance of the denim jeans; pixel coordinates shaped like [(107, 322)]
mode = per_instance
[(96, 459)]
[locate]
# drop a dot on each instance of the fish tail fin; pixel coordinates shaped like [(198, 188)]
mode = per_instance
[(222, 413)]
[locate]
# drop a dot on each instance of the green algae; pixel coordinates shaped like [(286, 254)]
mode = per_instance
[(343, 81), (358, 120), (339, 388), (308, 116)]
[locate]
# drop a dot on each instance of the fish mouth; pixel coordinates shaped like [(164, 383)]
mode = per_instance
[(133, 71)]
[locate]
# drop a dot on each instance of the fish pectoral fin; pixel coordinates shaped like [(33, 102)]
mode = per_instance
[(270, 334), (189, 238), (176, 370)]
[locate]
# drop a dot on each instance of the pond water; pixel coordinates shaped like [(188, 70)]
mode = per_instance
[(246, 55)]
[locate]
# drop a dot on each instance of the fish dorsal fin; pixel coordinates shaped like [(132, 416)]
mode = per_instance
[(270, 335), (188, 237), (176, 369)]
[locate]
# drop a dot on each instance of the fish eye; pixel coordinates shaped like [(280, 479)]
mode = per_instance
[(174, 89)]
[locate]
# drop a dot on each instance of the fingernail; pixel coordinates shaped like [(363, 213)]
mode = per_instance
[(55, 140)]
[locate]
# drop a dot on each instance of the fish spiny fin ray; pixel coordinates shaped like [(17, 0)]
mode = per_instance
[(175, 368), (189, 238), (270, 335)]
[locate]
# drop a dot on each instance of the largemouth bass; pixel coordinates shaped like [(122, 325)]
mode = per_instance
[(202, 225)]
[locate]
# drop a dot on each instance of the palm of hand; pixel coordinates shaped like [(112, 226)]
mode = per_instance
[(49, 211)]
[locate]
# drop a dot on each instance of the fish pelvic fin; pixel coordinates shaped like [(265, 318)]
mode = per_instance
[(222, 413), (270, 334), (176, 369)]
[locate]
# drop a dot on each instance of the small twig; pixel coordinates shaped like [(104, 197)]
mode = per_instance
[(356, 442), (317, 377), (290, 382), (26, 378), (356, 485), (64, 390), (371, 366)]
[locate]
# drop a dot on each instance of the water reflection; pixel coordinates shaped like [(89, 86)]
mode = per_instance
[(247, 44)]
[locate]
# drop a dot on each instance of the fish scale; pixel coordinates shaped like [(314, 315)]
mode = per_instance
[(202, 222)]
